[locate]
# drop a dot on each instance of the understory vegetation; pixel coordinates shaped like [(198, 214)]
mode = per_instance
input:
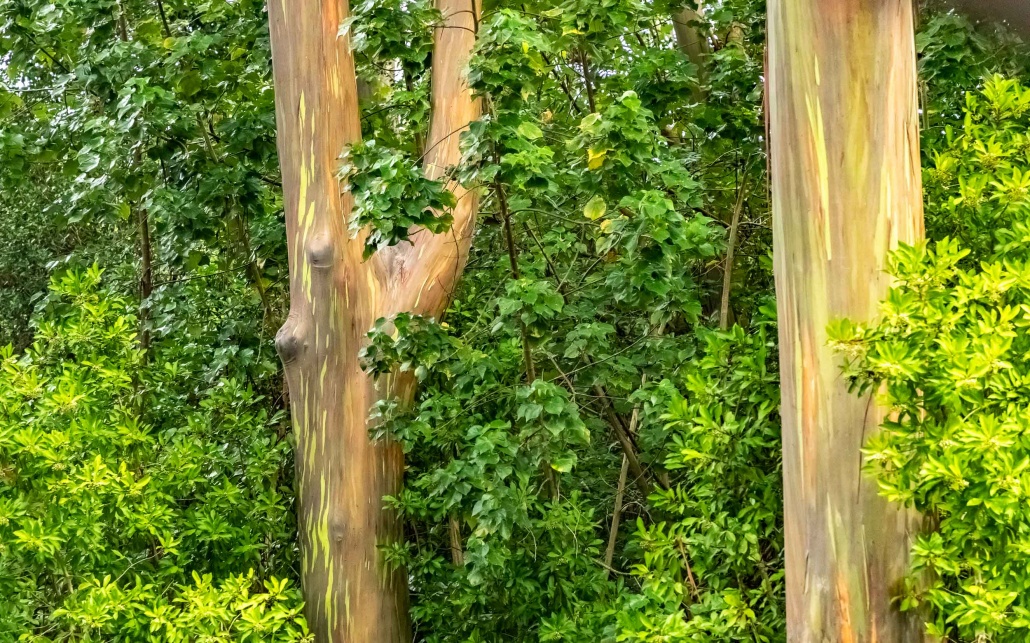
[(594, 450), (949, 357)]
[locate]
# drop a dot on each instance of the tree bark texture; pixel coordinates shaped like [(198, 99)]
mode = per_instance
[(846, 189), (688, 38), (335, 297)]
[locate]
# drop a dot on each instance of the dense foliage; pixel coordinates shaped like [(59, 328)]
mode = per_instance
[(145, 142), (123, 500), (950, 357), (594, 453), (579, 338), (147, 486)]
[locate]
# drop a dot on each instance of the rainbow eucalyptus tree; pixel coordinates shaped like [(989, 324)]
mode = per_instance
[(846, 190), (337, 295)]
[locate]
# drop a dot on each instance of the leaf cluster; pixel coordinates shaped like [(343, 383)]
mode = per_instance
[(125, 517)]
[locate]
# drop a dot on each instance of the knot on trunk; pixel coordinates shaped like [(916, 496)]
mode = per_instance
[(321, 252), (291, 341)]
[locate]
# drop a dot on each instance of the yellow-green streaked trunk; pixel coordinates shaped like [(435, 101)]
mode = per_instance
[(845, 190), (335, 297)]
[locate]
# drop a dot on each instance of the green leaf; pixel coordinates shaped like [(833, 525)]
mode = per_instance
[(190, 83), (529, 130), (595, 208), (565, 462)]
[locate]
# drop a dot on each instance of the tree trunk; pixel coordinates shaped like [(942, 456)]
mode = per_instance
[(425, 275), (845, 190), (690, 41), (335, 298)]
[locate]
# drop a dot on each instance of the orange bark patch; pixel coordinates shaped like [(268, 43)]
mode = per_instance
[(847, 631)]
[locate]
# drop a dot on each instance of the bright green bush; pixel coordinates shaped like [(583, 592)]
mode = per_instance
[(125, 520), (977, 176), (950, 360)]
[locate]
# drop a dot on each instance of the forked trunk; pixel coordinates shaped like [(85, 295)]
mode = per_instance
[(335, 298), (845, 190)]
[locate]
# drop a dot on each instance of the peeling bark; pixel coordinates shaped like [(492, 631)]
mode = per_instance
[(335, 297), (845, 190)]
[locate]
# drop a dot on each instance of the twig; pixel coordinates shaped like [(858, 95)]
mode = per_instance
[(629, 449), (164, 19), (527, 350), (513, 257), (686, 564), (588, 80)]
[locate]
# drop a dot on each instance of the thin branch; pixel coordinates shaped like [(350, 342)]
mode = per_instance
[(513, 257), (609, 554), (686, 565), (164, 19), (731, 247), (527, 351), (588, 79), (454, 532), (629, 449)]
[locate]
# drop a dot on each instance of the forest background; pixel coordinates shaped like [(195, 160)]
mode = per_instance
[(594, 452)]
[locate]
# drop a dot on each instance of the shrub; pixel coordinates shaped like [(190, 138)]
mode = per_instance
[(950, 361), (120, 524)]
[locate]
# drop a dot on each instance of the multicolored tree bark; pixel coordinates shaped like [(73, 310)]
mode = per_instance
[(846, 189), (336, 297)]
